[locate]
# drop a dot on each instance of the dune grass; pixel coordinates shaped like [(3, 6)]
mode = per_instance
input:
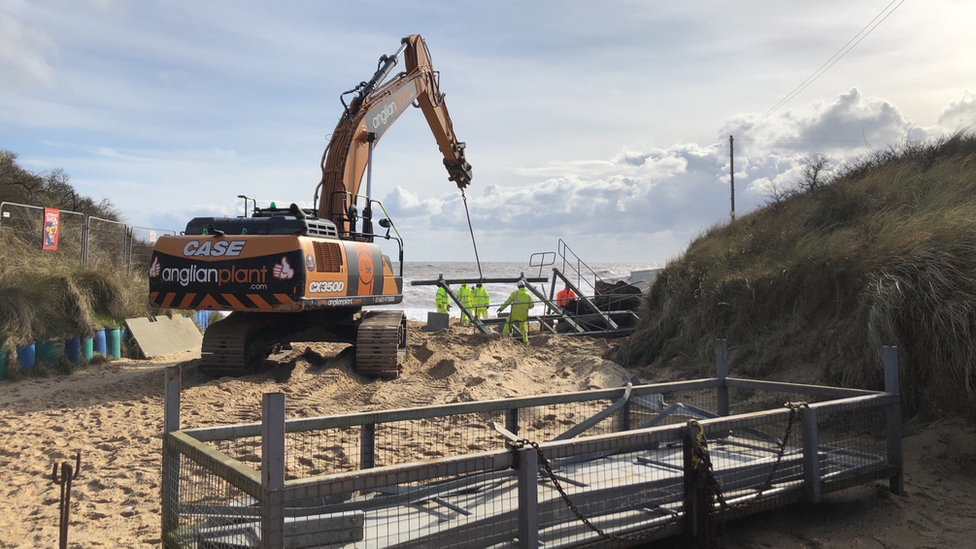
[(812, 285), (44, 295)]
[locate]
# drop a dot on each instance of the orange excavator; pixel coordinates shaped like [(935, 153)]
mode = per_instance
[(295, 274)]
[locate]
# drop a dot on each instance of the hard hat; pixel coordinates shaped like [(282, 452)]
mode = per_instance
[(521, 284)]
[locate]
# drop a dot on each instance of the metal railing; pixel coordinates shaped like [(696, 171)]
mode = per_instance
[(92, 240), (450, 475)]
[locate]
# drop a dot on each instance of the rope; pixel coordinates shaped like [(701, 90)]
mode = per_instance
[(471, 230)]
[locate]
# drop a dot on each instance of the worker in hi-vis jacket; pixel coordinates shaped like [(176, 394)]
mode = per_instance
[(480, 301), (464, 296), (521, 302), (440, 300)]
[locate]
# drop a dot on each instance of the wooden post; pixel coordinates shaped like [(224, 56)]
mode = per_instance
[(811, 455), (272, 470), (896, 482), (528, 493), (170, 482), (722, 372), (367, 446)]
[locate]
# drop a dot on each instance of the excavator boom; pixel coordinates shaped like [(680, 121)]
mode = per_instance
[(370, 113)]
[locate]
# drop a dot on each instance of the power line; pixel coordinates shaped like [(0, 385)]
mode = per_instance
[(861, 35)]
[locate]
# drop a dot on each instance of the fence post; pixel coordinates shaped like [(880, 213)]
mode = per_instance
[(691, 501), (272, 470), (170, 485), (528, 488), (511, 420), (811, 455), (127, 248), (367, 446), (722, 372), (85, 226), (623, 417), (896, 482)]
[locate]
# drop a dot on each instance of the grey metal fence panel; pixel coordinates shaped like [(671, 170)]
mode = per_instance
[(440, 476), (25, 223), (140, 241), (101, 242)]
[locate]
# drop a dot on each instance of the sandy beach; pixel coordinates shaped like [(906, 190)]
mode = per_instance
[(113, 414)]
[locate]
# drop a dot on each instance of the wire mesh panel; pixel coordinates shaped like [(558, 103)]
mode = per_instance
[(853, 444), (612, 467), (203, 504), (626, 495), (430, 438), (140, 243), (763, 460), (23, 226), (107, 243)]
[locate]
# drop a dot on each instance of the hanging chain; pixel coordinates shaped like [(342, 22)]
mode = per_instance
[(701, 461), (522, 443), (471, 230), (794, 408)]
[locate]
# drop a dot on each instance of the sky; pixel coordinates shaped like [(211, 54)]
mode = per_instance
[(602, 124)]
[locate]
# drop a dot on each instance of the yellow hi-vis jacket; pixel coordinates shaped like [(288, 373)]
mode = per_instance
[(480, 300), (521, 302), (441, 300), (464, 296)]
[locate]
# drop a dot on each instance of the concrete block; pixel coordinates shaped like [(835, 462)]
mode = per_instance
[(162, 335), (437, 322)]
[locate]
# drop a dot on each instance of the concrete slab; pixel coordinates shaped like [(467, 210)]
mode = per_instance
[(437, 322), (162, 335)]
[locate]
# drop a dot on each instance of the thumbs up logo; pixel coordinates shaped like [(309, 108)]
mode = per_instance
[(154, 269), (283, 270)]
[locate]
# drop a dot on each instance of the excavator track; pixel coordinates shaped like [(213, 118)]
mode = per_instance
[(380, 343), (238, 344), (224, 349)]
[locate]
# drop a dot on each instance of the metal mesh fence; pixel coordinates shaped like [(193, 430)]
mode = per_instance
[(24, 226), (90, 240), (853, 443), (212, 509), (140, 243), (447, 477), (107, 241)]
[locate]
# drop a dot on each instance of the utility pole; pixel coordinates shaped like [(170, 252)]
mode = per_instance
[(732, 176)]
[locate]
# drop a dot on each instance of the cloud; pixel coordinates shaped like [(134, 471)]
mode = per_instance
[(25, 55), (667, 194), (959, 115)]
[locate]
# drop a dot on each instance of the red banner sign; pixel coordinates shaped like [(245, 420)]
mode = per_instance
[(52, 221)]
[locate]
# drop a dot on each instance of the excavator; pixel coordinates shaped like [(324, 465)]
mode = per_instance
[(303, 274)]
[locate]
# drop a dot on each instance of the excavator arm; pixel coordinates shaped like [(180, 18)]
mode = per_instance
[(372, 110)]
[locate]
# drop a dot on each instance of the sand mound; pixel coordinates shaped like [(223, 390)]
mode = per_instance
[(113, 414)]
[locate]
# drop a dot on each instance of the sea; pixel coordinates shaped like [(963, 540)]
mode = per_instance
[(419, 300)]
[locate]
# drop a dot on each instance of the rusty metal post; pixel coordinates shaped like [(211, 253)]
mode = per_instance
[(64, 503)]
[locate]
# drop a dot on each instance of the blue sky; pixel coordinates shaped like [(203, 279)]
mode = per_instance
[(605, 124)]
